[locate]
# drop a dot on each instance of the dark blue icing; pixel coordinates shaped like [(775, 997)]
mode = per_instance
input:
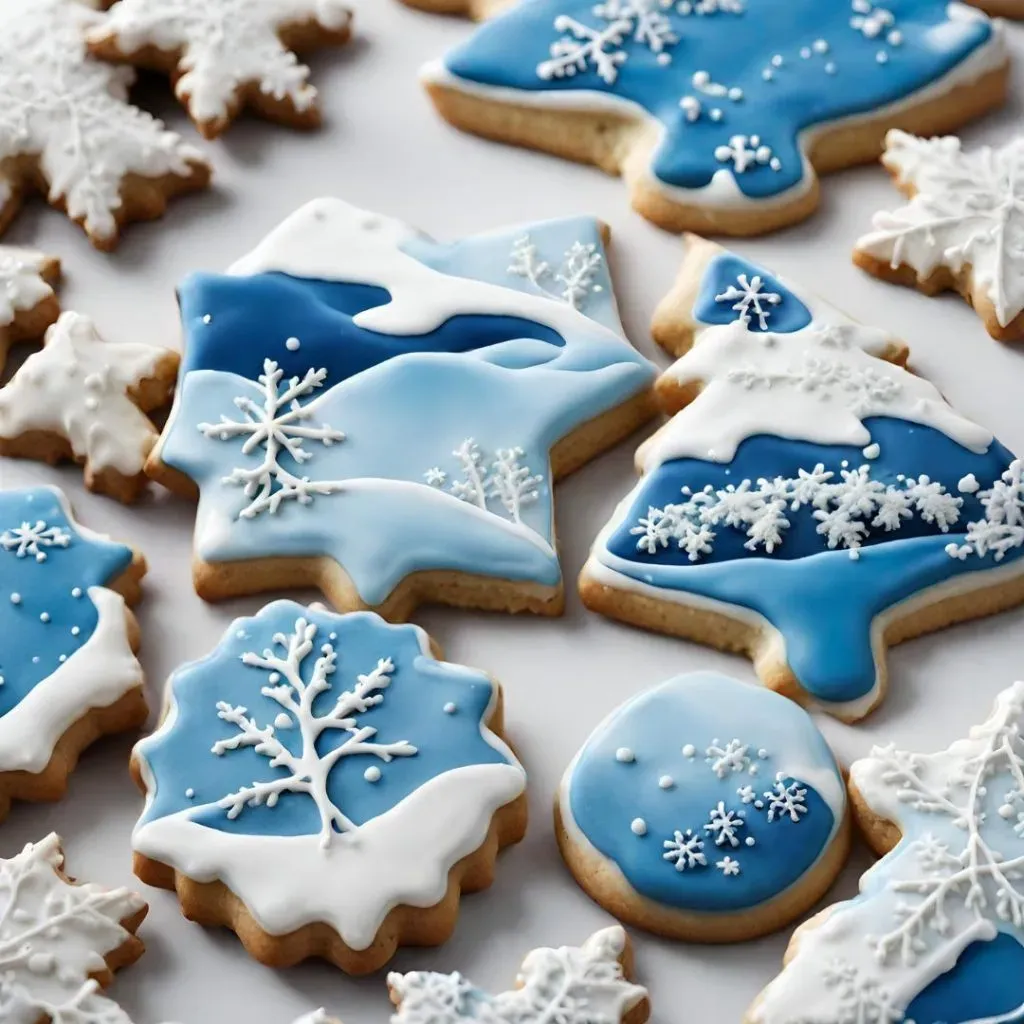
[(828, 642), (735, 50), (234, 323), (986, 982), (786, 316), (31, 649), (413, 709), (607, 794)]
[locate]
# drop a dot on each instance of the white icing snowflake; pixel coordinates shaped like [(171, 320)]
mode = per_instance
[(1002, 529), (684, 850), (786, 800), (54, 936), (309, 769), (749, 297), (745, 152), (66, 123), (226, 48), (22, 284), (574, 278), (728, 866), (277, 425), (723, 824), (33, 539), (733, 757), (967, 210)]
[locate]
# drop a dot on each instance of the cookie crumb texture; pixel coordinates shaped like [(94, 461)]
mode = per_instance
[(801, 463), (729, 820), (321, 741), (68, 131), (366, 410), (937, 932), (720, 114), (224, 55), (68, 674)]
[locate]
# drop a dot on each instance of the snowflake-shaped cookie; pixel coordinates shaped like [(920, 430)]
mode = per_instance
[(86, 399), (226, 54), (28, 304), (962, 229), (67, 128), (571, 985)]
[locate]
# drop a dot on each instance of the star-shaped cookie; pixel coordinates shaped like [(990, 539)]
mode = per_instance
[(227, 54), (28, 304)]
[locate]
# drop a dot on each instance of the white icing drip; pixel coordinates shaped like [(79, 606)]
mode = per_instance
[(22, 287)]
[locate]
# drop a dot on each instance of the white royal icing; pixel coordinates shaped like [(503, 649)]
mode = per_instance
[(571, 985), (73, 115), (22, 286), (76, 386), (53, 936), (226, 46), (967, 210)]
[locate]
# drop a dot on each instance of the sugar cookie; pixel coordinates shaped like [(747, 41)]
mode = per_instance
[(28, 304)]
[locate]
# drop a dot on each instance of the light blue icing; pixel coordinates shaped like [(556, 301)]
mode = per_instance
[(608, 791), (402, 415), (437, 707), (46, 614), (787, 67), (784, 316)]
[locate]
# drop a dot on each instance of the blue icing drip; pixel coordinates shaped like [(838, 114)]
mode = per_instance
[(784, 317), (828, 642), (735, 51), (233, 323), (606, 795), (30, 589), (986, 982), (413, 709)]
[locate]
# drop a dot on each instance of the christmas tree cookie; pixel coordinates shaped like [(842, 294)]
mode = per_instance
[(810, 502), (705, 809), (340, 746), (936, 935), (720, 114), (371, 412), (962, 227)]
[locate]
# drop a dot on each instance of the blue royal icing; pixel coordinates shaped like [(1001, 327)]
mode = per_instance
[(46, 569), (403, 430), (735, 85), (707, 794), (733, 289)]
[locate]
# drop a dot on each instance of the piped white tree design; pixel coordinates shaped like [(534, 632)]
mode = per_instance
[(573, 280), (278, 424), (569, 985), (33, 539), (310, 768)]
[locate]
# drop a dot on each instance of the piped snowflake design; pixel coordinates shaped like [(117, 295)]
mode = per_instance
[(277, 425), (966, 210), (54, 935), (684, 850), (786, 799), (34, 539), (66, 119), (309, 769), (724, 825), (1002, 529), (745, 152), (731, 757), (749, 298), (225, 48), (569, 985), (573, 280)]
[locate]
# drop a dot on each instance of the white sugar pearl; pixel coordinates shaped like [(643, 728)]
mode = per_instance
[(625, 755), (1006, 811), (750, 841), (372, 774), (638, 827), (189, 793), (666, 782), (450, 708), (76, 630), (44, 617), (689, 750), (15, 598), (872, 451), (76, 592), (207, 319), (292, 344), (820, 46)]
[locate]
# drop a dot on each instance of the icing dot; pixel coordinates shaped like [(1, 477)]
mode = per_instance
[(666, 782), (207, 319), (638, 827), (292, 344), (625, 755), (1, 680), (1006, 811), (968, 484), (282, 721), (872, 451), (450, 708), (189, 793), (44, 617), (63, 658), (689, 750), (372, 774), (735, 94), (332, 636), (715, 115), (76, 592), (762, 753), (15, 598), (805, 52), (75, 630), (664, 58), (750, 840), (854, 554), (830, 68), (35, 659), (274, 677), (777, 60), (895, 37), (775, 164), (882, 57), (240, 634), (767, 74), (820, 46)]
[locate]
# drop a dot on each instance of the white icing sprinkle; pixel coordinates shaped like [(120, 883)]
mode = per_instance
[(666, 782), (372, 774), (689, 750), (638, 827), (15, 598), (625, 755), (450, 708), (292, 344), (190, 793), (968, 484), (872, 451)]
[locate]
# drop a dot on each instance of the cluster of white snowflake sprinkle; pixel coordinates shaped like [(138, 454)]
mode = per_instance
[(33, 539), (747, 152), (1002, 529), (847, 510), (574, 279)]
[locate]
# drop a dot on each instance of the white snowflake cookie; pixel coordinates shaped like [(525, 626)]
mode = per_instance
[(571, 985), (85, 399), (961, 229), (28, 304), (341, 746), (811, 501), (706, 810), (68, 130), (937, 932), (227, 54)]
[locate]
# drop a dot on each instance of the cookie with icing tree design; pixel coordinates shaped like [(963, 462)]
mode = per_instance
[(571, 984), (961, 229), (226, 54), (68, 672), (366, 410), (936, 935), (28, 304), (335, 744), (83, 399), (705, 809), (720, 114), (800, 463)]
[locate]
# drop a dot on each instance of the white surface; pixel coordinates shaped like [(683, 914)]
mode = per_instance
[(383, 148)]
